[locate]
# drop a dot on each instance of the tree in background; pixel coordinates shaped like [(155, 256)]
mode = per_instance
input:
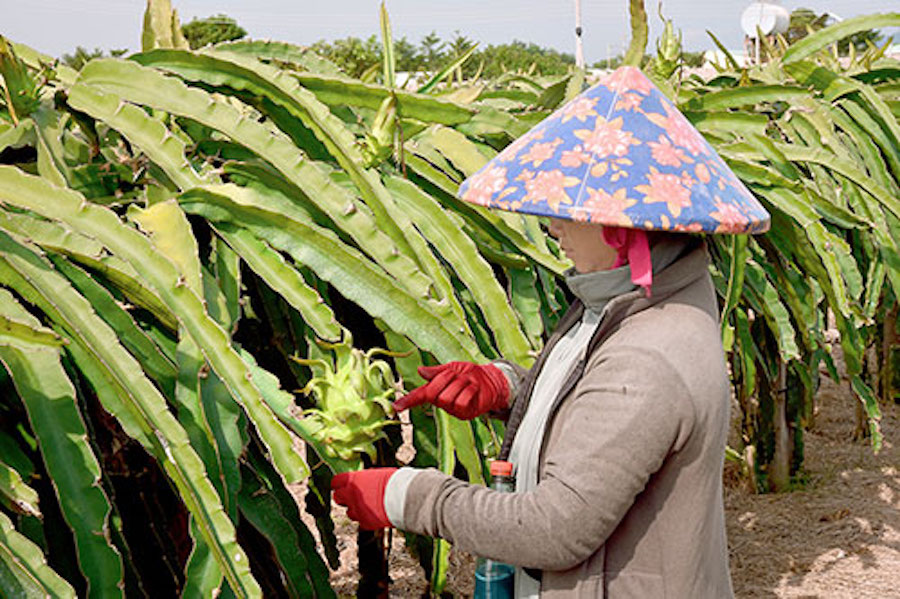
[(432, 51), (805, 21), (693, 59), (520, 57), (407, 55), (82, 55), (212, 30), (353, 55), (458, 46)]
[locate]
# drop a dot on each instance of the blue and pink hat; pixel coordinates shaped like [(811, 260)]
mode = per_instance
[(619, 155)]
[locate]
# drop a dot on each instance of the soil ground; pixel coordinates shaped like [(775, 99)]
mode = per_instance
[(836, 537)]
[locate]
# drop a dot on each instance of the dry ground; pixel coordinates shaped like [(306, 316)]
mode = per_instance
[(837, 537)]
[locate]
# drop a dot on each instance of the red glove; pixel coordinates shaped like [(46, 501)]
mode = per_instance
[(464, 389), (363, 494)]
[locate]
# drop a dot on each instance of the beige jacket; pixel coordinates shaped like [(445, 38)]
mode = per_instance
[(629, 499)]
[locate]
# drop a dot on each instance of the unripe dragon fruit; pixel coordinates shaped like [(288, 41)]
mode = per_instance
[(668, 51), (379, 143), (353, 393)]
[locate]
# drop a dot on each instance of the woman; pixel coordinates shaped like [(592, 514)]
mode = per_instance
[(617, 433)]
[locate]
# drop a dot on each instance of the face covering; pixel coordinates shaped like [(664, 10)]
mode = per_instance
[(632, 248)]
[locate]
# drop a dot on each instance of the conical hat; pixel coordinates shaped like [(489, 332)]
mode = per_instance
[(619, 154)]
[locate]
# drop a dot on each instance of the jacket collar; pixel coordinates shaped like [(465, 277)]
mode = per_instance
[(596, 289), (680, 274)]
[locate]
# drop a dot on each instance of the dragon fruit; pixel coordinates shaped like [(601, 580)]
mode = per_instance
[(353, 394)]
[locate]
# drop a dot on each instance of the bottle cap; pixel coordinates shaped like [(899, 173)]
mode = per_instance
[(501, 468)]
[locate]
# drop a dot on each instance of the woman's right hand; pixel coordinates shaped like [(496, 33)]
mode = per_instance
[(463, 389)]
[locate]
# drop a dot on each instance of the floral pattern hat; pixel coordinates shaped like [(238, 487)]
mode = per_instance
[(621, 155)]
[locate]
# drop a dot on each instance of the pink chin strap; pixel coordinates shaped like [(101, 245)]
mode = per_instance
[(633, 249)]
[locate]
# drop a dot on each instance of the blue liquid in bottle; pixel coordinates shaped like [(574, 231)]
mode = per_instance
[(493, 579)]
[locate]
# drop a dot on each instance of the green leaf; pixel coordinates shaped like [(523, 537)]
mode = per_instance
[(456, 147), (89, 252), (387, 43), (445, 72), (354, 276), (747, 96), (21, 90), (140, 408), (871, 140), (776, 315), (49, 398), (37, 61), (639, 31), (144, 85), (269, 507), (32, 334), (843, 29), (227, 271), (31, 193), (343, 91), (14, 493), (169, 230), (18, 136), (886, 241), (729, 59), (873, 413), (299, 58), (202, 574), (23, 568), (130, 397), (525, 297), (153, 360), (161, 27), (50, 161), (150, 135), (264, 86), (738, 254), (440, 228), (225, 436), (832, 252), (466, 451), (284, 280), (717, 124), (447, 463)]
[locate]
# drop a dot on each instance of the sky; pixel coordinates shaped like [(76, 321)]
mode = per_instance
[(59, 26)]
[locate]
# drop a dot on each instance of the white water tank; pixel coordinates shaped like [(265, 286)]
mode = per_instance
[(770, 16)]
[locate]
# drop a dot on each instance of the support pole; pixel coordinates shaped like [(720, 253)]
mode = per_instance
[(579, 46)]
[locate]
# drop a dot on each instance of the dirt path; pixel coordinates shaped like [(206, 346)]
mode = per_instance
[(838, 537)]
